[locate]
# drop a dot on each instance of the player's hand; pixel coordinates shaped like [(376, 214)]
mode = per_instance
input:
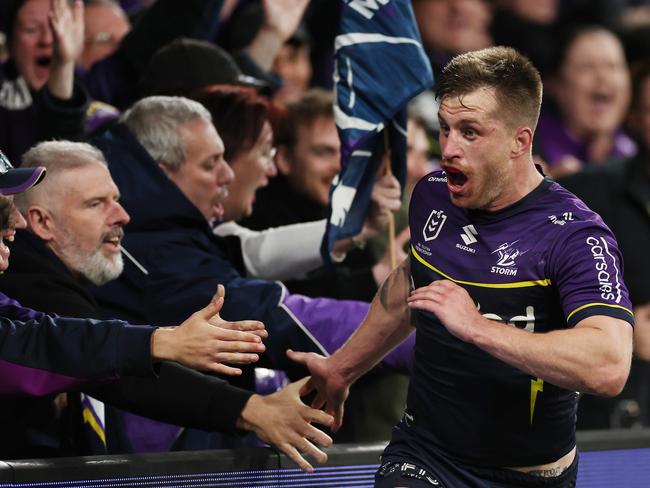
[(451, 304), (199, 344), (282, 419), (331, 390)]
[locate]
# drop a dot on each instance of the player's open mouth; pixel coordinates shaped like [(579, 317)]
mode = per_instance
[(455, 179)]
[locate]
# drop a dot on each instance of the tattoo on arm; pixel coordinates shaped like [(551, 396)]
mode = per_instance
[(395, 289), (548, 472)]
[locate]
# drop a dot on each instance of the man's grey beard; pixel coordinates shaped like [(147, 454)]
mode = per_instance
[(96, 268)]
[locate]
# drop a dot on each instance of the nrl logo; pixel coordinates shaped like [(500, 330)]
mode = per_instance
[(434, 224)]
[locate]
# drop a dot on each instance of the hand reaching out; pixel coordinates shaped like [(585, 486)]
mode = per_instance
[(200, 344), (331, 390), (282, 419), (254, 326)]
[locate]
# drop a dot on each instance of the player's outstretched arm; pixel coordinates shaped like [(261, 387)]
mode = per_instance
[(386, 326), (282, 419), (206, 342), (593, 357)]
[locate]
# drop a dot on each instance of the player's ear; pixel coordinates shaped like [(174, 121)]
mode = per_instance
[(522, 142)]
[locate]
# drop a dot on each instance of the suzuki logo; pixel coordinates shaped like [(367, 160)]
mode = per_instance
[(468, 235), (434, 224)]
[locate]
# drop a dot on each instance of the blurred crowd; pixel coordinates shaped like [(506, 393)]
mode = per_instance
[(231, 102)]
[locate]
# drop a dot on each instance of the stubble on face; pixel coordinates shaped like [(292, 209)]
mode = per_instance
[(479, 156)]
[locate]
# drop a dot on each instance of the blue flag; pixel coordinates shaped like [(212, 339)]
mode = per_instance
[(380, 66)]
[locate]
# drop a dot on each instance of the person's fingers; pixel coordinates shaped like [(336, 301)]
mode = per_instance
[(210, 310), (292, 453), (244, 325), (316, 415), (222, 369), (228, 335), (338, 418), (318, 436), (304, 386), (78, 11), (306, 447), (319, 401), (298, 357), (221, 291), (216, 305), (236, 357)]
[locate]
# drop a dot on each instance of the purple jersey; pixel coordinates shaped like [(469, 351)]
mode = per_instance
[(544, 263)]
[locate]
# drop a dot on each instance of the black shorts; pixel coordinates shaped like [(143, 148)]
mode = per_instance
[(398, 473)]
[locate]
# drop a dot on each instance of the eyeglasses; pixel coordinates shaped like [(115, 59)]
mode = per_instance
[(5, 165), (101, 38)]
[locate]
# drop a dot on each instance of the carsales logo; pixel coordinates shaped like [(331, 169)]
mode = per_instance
[(607, 274)]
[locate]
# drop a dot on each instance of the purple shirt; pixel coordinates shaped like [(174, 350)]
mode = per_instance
[(544, 263)]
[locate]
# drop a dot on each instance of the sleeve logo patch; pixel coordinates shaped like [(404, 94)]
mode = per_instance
[(606, 269)]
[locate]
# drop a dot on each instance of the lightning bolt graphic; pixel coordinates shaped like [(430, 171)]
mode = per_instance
[(535, 387)]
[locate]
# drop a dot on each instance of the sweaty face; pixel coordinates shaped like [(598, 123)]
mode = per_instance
[(475, 146), (10, 220), (315, 159), (252, 171), (88, 224), (204, 176), (593, 87), (31, 44)]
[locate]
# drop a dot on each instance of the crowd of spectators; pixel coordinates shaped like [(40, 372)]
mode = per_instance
[(212, 123)]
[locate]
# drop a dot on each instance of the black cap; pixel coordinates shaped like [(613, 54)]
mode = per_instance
[(185, 65), (17, 180)]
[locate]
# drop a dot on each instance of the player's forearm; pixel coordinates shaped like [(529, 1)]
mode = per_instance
[(588, 359), (385, 327)]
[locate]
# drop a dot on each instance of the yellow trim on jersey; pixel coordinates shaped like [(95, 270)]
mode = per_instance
[(599, 304), (536, 386), (89, 418), (518, 284)]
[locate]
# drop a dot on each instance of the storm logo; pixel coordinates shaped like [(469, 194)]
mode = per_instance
[(507, 254)]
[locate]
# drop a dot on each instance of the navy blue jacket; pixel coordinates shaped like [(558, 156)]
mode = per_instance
[(185, 260), (42, 354)]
